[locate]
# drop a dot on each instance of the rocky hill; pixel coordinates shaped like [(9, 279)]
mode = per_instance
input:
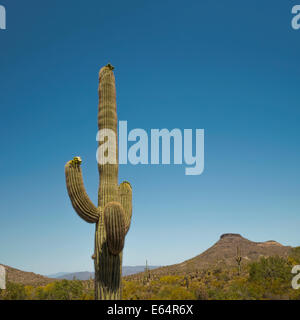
[(223, 252), (26, 278)]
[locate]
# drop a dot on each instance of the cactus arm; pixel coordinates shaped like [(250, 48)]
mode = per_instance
[(125, 191), (114, 220), (78, 196)]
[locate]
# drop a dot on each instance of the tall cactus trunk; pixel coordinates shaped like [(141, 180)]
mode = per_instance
[(107, 119), (108, 268), (113, 214)]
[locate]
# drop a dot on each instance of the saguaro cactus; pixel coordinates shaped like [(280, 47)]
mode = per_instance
[(147, 275), (113, 214), (238, 259)]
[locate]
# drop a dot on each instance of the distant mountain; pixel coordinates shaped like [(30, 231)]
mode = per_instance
[(33, 279), (83, 275), (222, 254), (56, 275), (86, 275), (128, 270)]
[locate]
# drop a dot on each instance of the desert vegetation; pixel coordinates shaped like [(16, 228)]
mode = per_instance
[(269, 278)]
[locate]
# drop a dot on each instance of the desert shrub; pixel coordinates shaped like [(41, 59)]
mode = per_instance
[(271, 269), (295, 255), (14, 291), (273, 274), (64, 290), (170, 292), (171, 280), (201, 293), (132, 290)]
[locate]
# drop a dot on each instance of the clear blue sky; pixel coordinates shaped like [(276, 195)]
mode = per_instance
[(229, 67)]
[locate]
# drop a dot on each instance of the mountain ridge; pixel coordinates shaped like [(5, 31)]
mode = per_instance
[(222, 254), (86, 275), (25, 277)]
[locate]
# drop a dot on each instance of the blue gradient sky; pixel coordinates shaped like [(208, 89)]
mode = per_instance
[(230, 67)]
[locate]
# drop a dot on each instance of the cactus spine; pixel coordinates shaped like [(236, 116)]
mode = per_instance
[(113, 214)]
